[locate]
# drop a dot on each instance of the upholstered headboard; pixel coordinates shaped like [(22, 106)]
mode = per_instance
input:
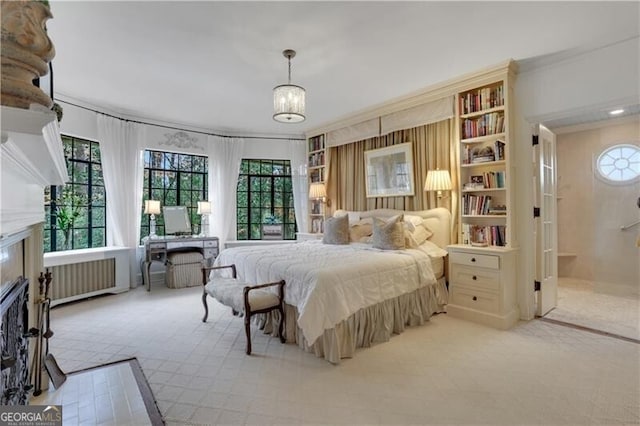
[(438, 220)]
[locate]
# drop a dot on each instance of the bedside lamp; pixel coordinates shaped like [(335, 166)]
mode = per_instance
[(152, 207), (438, 180), (317, 191), (204, 210)]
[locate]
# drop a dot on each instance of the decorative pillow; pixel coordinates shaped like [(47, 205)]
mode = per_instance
[(414, 220), (336, 230), (357, 232), (354, 217), (389, 234), (420, 235), (432, 250)]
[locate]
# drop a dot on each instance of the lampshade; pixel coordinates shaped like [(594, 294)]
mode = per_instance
[(204, 207), (437, 180), (289, 99), (317, 190), (151, 207)]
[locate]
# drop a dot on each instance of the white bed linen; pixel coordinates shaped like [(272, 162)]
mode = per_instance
[(328, 283)]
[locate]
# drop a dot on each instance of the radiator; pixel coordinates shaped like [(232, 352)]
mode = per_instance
[(79, 274), (82, 278)]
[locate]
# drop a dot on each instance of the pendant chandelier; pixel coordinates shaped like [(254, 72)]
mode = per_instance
[(288, 99)]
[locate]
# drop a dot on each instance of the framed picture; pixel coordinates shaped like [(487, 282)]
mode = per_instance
[(389, 171), (477, 179)]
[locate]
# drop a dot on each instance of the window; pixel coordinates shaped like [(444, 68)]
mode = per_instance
[(619, 163), (265, 197), (174, 180), (75, 214)]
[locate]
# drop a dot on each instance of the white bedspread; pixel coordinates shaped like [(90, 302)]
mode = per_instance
[(328, 283)]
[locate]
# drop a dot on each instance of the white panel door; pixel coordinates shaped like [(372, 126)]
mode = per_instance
[(546, 223)]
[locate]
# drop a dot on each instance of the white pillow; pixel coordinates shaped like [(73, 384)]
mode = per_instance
[(414, 220), (420, 234), (354, 217), (432, 250)]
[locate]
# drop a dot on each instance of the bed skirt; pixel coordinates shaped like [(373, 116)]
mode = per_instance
[(374, 324)]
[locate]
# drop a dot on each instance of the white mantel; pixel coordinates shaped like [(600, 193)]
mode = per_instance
[(31, 158)]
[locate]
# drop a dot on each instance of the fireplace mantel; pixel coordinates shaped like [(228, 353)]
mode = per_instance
[(32, 158)]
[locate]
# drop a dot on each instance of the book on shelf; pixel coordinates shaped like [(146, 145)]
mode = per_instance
[(488, 180), (499, 150), (498, 210), (476, 205), (481, 99), (487, 124), (316, 143), (483, 159), (482, 236), (317, 225)]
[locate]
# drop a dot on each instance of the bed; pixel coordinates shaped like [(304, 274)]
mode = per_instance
[(342, 297)]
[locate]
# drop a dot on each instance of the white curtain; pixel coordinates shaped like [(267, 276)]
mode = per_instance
[(122, 168), (298, 158), (225, 156)]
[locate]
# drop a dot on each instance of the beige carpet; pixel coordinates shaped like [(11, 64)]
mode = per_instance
[(579, 304)]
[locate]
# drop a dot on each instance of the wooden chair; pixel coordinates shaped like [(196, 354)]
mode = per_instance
[(243, 298)]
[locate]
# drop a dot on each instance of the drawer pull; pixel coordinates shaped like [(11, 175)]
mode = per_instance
[(475, 298), (473, 259), (475, 278)]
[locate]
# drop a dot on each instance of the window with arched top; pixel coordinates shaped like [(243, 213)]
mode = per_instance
[(619, 164)]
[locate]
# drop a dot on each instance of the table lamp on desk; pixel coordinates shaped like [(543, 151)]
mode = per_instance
[(204, 210), (152, 208)]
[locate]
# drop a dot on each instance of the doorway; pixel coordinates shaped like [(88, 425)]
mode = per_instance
[(598, 187)]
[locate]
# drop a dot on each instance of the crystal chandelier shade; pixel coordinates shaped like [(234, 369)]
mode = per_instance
[(289, 99)]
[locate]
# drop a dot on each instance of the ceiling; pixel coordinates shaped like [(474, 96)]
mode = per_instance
[(213, 65)]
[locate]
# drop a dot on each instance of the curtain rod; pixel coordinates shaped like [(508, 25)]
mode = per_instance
[(175, 128)]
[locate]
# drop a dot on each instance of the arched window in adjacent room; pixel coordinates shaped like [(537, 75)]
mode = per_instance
[(619, 164)]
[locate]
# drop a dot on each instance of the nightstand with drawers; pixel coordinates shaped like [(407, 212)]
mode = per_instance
[(482, 285)]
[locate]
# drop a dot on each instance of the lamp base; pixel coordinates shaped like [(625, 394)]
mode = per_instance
[(152, 226), (204, 226)]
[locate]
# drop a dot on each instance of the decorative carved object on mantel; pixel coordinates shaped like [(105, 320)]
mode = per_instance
[(181, 140), (26, 51)]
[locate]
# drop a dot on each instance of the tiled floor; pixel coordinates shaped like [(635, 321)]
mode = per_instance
[(446, 372), (579, 304), (107, 396)]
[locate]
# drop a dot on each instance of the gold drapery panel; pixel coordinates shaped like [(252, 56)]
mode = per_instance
[(433, 147)]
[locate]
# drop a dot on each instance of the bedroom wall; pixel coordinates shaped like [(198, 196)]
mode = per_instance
[(589, 81), (591, 211)]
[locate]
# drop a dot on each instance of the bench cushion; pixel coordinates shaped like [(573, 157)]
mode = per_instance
[(230, 292), (183, 269)]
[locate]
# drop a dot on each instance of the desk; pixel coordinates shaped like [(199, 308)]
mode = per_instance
[(156, 249)]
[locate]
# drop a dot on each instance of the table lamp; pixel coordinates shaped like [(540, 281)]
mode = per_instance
[(438, 180), (152, 208), (204, 210)]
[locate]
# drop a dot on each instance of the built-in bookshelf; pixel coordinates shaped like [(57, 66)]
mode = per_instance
[(482, 266), (316, 170), (482, 117)]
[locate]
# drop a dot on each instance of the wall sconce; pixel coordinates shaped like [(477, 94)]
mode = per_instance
[(438, 180), (152, 207), (204, 210), (317, 191)]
